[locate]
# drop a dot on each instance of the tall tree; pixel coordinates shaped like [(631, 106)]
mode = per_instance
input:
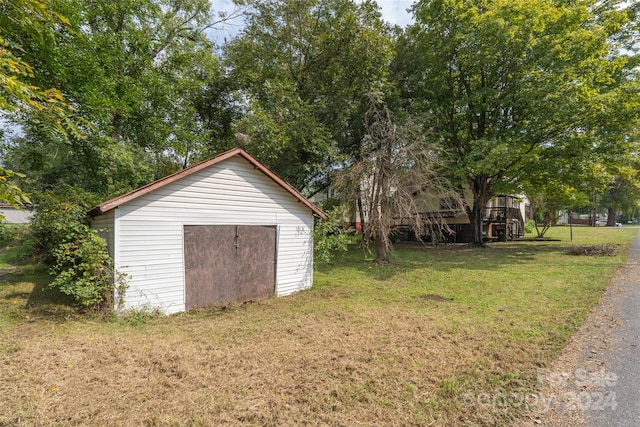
[(133, 69), (622, 196), (399, 171), (303, 68), (500, 81), (621, 187), (18, 95)]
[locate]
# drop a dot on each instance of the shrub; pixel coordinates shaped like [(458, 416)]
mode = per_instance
[(529, 225), (84, 269), (59, 218), (10, 233), (78, 257), (331, 235)]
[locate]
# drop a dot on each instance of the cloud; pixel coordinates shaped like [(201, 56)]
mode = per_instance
[(395, 11)]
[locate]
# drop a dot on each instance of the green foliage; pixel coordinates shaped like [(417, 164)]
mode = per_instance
[(100, 166), (11, 232), (529, 226), (142, 317), (505, 84), (331, 235), (622, 191), (84, 269), (10, 193), (78, 257), (136, 72), (547, 205), (502, 84), (302, 69), (60, 218), (22, 23)]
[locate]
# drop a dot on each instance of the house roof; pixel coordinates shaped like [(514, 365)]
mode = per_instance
[(117, 201)]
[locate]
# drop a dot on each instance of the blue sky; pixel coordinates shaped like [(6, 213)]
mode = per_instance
[(393, 11)]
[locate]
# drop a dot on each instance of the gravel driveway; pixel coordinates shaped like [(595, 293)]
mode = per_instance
[(596, 381)]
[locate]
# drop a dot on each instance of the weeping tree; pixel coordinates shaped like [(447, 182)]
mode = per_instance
[(397, 176)]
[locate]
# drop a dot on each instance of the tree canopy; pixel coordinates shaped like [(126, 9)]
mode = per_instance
[(132, 71), (17, 95), (502, 81), (36, 19), (520, 94), (303, 69)]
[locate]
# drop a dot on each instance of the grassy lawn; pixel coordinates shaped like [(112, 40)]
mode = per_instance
[(423, 341)]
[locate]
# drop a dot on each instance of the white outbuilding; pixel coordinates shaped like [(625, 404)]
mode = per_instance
[(227, 230)]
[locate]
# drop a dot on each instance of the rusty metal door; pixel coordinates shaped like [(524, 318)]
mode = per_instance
[(228, 263)]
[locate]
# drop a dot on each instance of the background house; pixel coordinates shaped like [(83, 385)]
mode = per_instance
[(503, 219), (225, 230), (15, 216)]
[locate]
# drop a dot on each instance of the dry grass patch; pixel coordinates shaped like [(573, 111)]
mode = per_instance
[(384, 366), (368, 345), (606, 249)]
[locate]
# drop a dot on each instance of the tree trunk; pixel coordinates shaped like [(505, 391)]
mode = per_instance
[(611, 217), (381, 250), (475, 216), (538, 232), (546, 223), (481, 196), (364, 227)]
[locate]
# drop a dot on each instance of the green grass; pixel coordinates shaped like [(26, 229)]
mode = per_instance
[(401, 344), (24, 291), (9, 256)]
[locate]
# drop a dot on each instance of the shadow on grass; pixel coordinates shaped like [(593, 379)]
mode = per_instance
[(45, 302), (25, 293), (448, 258)]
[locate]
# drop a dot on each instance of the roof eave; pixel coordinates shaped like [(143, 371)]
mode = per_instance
[(117, 201)]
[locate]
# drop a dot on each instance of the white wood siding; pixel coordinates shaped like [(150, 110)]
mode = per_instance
[(149, 241), (104, 225)]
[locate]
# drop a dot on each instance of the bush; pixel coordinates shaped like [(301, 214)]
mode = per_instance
[(60, 218), (78, 257), (10, 233), (84, 269), (529, 226), (18, 238), (331, 235)]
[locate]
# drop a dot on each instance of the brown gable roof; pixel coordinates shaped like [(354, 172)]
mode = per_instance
[(117, 201)]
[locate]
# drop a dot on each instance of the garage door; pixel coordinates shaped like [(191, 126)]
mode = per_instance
[(228, 263)]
